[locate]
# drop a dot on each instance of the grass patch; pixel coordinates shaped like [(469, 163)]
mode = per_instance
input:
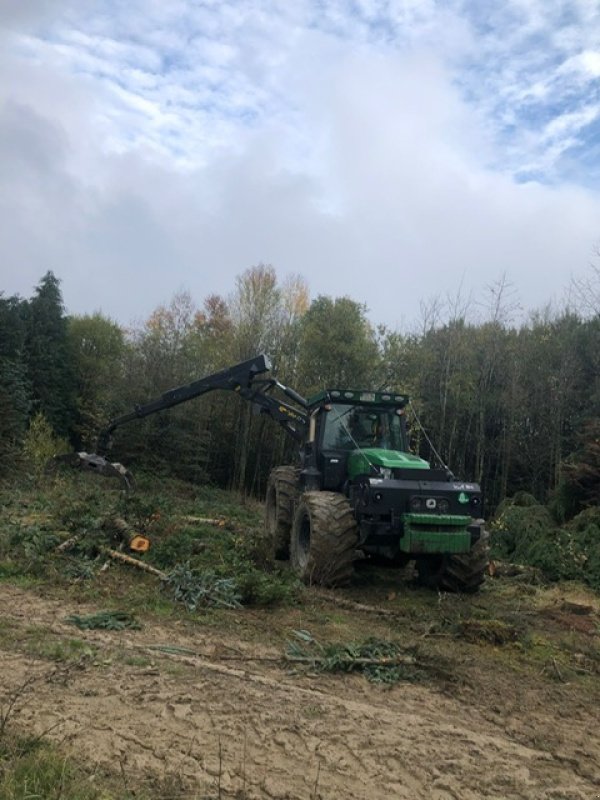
[(488, 631), (169, 513), (134, 661), (39, 644), (225, 565), (30, 769)]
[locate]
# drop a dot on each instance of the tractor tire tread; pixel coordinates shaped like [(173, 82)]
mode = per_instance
[(282, 492), (466, 572), (333, 539)]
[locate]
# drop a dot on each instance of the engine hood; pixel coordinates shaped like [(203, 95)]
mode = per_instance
[(360, 461)]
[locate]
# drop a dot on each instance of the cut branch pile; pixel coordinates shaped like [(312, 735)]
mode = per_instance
[(196, 589), (105, 620), (380, 661)]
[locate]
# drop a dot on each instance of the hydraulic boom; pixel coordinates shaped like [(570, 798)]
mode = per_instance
[(242, 379)]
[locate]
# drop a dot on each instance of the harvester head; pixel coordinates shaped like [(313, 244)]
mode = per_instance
[(97, 464)]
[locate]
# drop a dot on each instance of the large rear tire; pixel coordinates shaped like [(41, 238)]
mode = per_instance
[(282, 490), (324, 539), (461, 573)]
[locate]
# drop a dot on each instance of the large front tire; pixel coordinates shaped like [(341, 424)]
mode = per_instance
[(282, 490), (324, 539), (461, 573)]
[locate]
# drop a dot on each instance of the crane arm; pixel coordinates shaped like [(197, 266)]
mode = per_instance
[(241, 379)]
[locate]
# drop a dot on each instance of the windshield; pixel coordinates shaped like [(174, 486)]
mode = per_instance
[(352, 427)]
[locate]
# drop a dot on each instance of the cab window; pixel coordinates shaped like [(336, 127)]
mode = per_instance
[(354, 427)]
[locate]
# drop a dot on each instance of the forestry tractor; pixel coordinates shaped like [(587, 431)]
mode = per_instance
[(357, 491)]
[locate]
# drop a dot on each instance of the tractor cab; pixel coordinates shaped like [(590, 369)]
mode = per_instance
[(353, 433), (355, 427)]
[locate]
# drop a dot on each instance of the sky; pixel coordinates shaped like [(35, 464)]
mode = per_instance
[(392, 151)]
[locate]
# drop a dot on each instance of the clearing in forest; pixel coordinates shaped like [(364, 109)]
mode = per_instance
[(111, 687)]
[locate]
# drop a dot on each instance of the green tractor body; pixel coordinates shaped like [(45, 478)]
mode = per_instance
[(360, 490)]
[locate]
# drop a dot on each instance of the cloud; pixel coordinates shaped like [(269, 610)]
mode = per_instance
[(36, 15), (25, 12), (385, 150)]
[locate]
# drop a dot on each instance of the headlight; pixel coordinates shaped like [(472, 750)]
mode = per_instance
[(443, 505), (382, 472)]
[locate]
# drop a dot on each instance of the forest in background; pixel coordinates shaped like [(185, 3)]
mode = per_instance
[(513, 406)]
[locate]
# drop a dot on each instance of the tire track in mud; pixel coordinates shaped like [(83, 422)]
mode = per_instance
[(259, 731)]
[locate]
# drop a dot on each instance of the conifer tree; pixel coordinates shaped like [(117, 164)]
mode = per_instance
[(15, 389), (49, 359)]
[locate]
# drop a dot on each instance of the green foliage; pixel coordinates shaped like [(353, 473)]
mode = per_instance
[(255, 307), (513, 407), (15, 388), (179, 547), (503, 405), (49, 359), (210, 555), (379, 660), (487, 631), (145, 510), (81, 569), (254, 547), (15, 402), (202, 589), (40, 444), (528, 534), (51, 648), (565, 501), (581, 472), (523, 500), (33, 541), (337, 346), (32, 770), (79, 513), (105, 620), (9, 569), (97, 346), (584, 530), (224, 565), (258, 588)]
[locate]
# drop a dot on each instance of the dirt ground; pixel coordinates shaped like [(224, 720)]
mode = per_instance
[(209, 718)]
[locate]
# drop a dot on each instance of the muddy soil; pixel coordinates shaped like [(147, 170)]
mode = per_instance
[(209, 718)]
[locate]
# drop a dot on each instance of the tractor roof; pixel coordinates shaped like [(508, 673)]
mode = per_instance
[(356, 397)]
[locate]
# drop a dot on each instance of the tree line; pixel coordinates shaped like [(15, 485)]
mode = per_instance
[(513, 406)]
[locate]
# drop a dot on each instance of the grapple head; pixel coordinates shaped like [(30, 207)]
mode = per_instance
[(95, 463)]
